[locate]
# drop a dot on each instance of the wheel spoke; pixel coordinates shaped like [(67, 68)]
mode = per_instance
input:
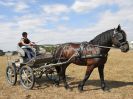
[(24, 73), (29, 80), (11, 79), (27, 83), (24, 81)]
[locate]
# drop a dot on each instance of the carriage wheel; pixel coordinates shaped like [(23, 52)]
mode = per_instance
[(11, 74), (27, 78), (51, 74)]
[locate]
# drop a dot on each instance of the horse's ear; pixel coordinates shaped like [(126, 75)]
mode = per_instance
[(119, 27)]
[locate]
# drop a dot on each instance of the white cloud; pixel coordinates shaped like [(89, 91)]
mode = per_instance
[(2, 17), (124, 17), (80, 6), (9, 37), (7, 3), (20, 7), (61, 34), (34, 24), (88, 5), (108, 20), (17, 6), (28, 24), (55, 9)]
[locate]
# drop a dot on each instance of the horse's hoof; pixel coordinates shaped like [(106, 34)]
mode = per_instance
[(70, 89), (105, 89), (56, 84), (80, 88), (67, 87)]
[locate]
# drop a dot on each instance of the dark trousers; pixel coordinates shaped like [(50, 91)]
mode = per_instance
[(29, 53)]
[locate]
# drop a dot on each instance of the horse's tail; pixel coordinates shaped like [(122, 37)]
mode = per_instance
[(57, 52)]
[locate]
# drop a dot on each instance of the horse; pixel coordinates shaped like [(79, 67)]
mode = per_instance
[(91, 54)]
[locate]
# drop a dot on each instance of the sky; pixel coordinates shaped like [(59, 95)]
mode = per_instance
[(61, 21)]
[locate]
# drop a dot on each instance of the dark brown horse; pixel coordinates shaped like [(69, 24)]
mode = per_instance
[(92, 54)]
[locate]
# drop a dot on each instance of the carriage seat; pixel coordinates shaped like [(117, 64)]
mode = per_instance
[(20, 51)]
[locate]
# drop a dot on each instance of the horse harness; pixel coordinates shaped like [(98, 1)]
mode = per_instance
[(89, 51), (85, 51)]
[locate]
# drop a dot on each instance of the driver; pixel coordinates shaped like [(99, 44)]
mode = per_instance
[(26, 44)]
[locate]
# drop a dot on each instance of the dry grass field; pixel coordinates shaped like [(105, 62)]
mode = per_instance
[(118, 76)]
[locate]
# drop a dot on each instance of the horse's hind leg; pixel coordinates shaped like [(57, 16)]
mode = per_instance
[(101, 74), (63, 75), (87, 75), (58, 70), (61, 70)]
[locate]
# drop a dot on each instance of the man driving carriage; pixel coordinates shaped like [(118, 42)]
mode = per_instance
[(26, 45)]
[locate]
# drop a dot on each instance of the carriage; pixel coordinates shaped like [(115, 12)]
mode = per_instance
[(91, 54), (29, 70)]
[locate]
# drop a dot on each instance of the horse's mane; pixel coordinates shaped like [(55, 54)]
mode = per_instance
[(104, 37)]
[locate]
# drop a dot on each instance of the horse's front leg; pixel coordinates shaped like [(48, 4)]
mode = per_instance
[(87, 75), (101, 74)]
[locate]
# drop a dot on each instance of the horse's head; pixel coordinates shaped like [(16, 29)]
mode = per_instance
[(120, 39)]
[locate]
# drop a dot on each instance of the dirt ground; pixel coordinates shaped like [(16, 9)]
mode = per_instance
[(118, 76)]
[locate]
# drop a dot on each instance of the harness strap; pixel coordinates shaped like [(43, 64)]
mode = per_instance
[(94, 56)]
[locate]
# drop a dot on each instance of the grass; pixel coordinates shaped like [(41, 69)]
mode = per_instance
[(118, 76)]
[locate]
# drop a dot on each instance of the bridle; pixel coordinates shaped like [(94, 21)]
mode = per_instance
[(120, 38)]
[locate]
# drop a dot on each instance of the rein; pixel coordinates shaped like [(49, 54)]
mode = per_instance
[(104, 46)]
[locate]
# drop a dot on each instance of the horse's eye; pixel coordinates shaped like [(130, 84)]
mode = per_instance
[(119, 36)]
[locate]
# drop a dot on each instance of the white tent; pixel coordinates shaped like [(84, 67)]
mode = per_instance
[(131, 44)]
